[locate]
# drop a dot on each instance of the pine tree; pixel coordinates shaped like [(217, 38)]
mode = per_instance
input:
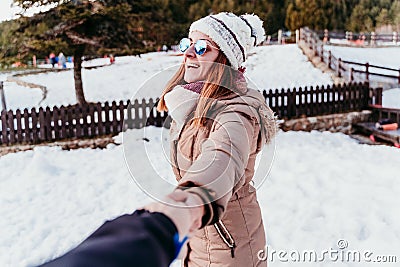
[(80, 27), (8, 44), (395, 15)]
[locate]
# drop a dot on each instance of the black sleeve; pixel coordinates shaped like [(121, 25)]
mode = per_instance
[(139, 239)]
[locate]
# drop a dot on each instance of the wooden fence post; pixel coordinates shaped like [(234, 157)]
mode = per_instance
[(330, 59), (351, 74), (329, 98), (3, 98), (137, 117), (373, 38), (4, 135), (366, 96), (128, 124), (85, 124), (78, 125), (92, 126), (143, 108), (301, 104), (35, 134), (121, 110), (114, 124), (18, 118), (291, 103), (55, 118), (322, 53), (47, 119), (100, 124), (279, 36), (27, 131), (338, 67), (64, 116), (378, 96), (42, 127), (106, 122)]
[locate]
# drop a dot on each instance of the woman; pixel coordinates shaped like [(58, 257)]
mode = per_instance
[(218, 127)]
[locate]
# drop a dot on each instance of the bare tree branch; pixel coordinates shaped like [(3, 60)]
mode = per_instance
[(78, 39), (64, 26)]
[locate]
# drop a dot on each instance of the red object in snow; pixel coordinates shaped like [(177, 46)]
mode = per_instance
[(372, 137)]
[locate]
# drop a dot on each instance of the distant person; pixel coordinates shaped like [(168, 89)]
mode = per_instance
[(112, 59), (62, 61), (52, 58), (268, 41), (165, 48)]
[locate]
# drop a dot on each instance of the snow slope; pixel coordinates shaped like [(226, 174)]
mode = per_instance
[(322, 187)]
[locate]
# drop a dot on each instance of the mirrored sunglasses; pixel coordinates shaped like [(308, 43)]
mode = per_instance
[(200, 47)]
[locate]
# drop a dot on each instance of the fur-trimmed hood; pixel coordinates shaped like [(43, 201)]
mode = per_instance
[(252, 103)]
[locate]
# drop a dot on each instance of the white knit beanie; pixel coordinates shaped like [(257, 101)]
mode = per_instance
[(235, 35)]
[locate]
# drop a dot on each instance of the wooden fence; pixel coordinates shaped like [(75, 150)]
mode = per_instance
[(87, 121), (349, 70), (362, 38), (321, 100), (97, 119)]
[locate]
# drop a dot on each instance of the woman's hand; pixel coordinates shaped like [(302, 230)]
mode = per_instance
[(183, 208)]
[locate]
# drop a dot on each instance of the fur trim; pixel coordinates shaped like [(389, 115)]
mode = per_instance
[(257, 27), (180, 103)]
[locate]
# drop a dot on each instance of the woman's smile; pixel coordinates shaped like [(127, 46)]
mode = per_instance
[(197, 66), (192, 65)]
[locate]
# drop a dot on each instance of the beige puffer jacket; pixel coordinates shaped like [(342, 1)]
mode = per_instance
[(221, 156)]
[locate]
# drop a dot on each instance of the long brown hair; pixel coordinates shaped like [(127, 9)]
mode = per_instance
[(219, 82)]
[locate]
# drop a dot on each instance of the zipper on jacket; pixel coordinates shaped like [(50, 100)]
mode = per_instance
[(176, 158), (226, 236)]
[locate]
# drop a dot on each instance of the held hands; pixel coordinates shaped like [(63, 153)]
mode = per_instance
[(183, 208)]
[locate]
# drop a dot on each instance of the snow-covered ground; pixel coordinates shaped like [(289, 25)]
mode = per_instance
[(322, 187), (391, 98)]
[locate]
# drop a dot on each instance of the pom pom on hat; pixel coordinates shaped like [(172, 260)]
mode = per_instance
[(257, 27), (235, 35)]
